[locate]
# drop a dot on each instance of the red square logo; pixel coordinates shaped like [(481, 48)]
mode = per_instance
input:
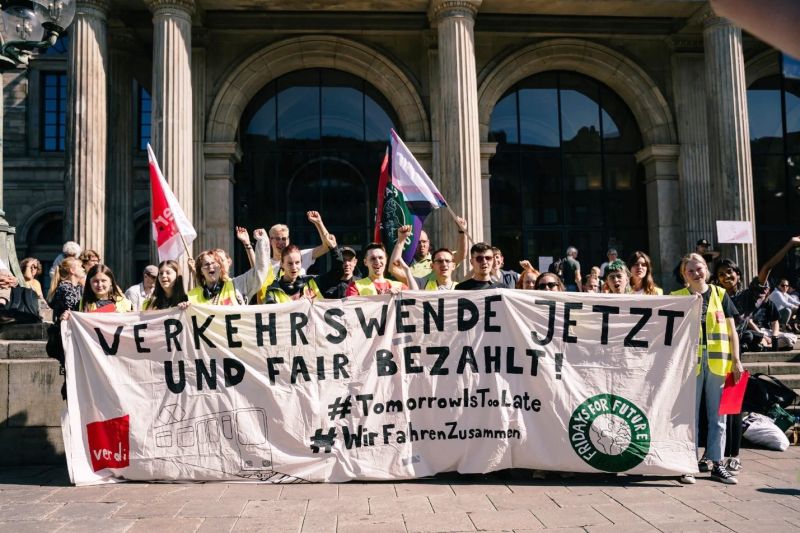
[(109, 443)]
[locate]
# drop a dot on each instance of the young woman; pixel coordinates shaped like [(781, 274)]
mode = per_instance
[(527, 280), (101, 290), (548, 281), (642, 275), (717, 354), (67, 287), (169, 289), (617, 278), (216, 287), (31, 267), (291, 285)]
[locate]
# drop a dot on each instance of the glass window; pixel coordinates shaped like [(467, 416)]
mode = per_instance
[(314, 139), (569, 177), (774, 112), (53, 111), (145, 106)]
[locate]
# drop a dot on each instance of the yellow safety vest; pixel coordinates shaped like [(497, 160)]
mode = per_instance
[(717, 339), (123, 305), (261, 297), (365, 287), (432, 285), (227, 296), (279, 296)]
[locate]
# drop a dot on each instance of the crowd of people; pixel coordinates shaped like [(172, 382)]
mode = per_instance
[(734, 317)]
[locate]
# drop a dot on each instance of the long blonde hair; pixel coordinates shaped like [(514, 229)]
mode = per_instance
[(63, 272)]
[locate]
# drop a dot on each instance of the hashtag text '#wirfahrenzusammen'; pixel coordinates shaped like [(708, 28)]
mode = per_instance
[(363, 436)]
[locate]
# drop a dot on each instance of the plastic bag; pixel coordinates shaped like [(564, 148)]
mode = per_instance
[(761, 430)]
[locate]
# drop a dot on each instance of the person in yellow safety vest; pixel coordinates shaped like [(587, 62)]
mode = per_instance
[(717, 355), (291, 285), (101, 293), (375, 260), (215, 287), (440, 278)]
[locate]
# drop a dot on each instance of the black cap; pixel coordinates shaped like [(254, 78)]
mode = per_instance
[(703, 242), (348, 250), (756, 286)]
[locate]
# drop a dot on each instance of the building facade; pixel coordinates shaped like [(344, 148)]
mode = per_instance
[(626, 124)]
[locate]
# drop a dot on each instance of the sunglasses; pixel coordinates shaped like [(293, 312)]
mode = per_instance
[(547, 285), (484, 258), (784, 285)]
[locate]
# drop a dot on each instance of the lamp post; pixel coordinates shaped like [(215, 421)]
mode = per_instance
[(28, 26)]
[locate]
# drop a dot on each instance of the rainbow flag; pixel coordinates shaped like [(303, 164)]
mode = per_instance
[(406, 195)]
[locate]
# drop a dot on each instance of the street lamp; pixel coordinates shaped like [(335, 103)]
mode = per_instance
[(28, 26)]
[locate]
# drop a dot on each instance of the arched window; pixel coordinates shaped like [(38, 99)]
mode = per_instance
[(313, 140), (565, 172), (774, 111), (45, 240)]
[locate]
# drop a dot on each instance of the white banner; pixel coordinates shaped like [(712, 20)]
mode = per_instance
[(384, 388)]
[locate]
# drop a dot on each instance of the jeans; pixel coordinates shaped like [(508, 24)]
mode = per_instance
[(711, 384)]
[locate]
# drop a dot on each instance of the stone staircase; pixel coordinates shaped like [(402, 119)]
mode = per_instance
[(783, 365)]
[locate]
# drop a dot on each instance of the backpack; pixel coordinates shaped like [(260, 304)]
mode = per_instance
[(764, 391), (23, 306), (556, 267)]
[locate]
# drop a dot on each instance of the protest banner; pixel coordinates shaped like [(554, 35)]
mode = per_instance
[(387, 387)]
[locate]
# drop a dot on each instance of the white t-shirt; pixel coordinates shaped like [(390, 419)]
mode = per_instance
[(306, 260)]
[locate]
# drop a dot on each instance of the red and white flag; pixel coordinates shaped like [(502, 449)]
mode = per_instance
[(169, 220)]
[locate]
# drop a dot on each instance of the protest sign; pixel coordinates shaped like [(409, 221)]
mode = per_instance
[(388, 387)]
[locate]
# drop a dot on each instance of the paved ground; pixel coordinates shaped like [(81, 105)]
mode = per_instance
[(767, 499)]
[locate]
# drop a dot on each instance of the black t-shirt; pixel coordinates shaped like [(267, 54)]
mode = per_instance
[(763, 313), (729, 310), (475, 285)]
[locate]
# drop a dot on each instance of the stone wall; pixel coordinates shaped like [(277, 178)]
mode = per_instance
[(30, 405)]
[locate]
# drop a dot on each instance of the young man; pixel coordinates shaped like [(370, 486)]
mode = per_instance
[(508, 278), (140, 292), (443, 262), (481, 259), (375, 260), (279, 239), (333, 284)]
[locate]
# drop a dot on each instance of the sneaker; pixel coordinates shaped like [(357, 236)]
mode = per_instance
[(734, 465), (687, 479), (704, 464), (721, 474)]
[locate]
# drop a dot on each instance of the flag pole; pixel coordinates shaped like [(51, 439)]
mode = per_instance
[(455, 219), (189, 255)]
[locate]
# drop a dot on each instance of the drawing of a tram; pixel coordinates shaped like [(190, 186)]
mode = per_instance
[(234, 442)]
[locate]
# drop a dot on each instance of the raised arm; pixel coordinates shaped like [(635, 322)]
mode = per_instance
[(461, 248), (402, 266), (315, 218), (763, 273), (244, 237), (250, 282), (397, 253)]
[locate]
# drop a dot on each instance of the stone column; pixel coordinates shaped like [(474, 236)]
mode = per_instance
[(488, 149), (664, 227), (728, 125), (172, 132), (85, 183), (220, 160), (459, 141), (198, 132), (688, 82), (119, 180)]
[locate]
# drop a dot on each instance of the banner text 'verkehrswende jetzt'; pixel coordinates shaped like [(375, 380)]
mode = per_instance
[(384, 388)]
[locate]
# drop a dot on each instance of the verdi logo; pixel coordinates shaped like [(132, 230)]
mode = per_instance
[(610, 433)]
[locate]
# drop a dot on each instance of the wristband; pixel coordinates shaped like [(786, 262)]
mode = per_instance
[(248, 246), (461, 231)]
